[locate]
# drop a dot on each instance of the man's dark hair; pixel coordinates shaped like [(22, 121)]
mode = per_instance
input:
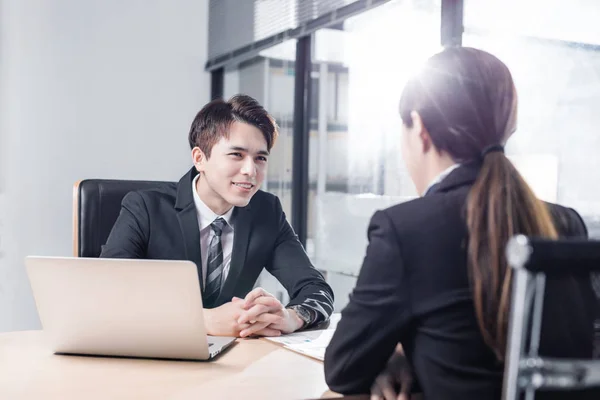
[(214, 120)]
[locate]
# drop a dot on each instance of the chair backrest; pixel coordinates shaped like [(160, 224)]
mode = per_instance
[(96, 206), (532, 259)]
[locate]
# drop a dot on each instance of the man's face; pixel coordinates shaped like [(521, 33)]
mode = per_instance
[(235, 170)]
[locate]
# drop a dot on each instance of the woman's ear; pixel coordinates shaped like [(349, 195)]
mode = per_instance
[(419, 128), (198, 158), (417, 122)]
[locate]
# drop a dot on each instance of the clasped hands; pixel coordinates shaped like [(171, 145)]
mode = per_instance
[(396, 380), (258, 314)]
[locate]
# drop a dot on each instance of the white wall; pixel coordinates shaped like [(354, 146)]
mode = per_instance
[(88, 89)]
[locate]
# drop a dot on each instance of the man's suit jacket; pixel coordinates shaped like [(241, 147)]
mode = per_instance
[(413, 288), (163, 224)]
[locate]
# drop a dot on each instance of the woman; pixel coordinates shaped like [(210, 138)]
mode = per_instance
[(435, 278)]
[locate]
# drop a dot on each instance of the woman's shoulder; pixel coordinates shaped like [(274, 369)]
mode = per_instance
[(568, 222), (429, 215)]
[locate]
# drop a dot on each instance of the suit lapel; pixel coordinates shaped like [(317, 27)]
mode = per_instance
[(242, 224), (188, 221)]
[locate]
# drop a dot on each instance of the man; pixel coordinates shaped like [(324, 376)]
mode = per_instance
[(216, 217)]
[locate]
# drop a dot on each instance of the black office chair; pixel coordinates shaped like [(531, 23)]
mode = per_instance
[(525, 371), (96, 206)]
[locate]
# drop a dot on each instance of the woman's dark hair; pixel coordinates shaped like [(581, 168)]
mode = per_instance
[(213, 121), (467, 101)]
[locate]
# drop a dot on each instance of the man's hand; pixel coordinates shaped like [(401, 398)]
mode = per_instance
[(223, 320), (262, 307), (397, 373)]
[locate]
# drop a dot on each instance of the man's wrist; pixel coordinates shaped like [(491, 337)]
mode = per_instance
[(297, 322), (208, 316), (302, 314)]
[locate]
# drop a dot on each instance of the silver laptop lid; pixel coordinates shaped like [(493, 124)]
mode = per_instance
[(140, 308)]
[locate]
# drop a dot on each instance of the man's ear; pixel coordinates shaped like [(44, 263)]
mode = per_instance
[(421, 131), (198, 158)]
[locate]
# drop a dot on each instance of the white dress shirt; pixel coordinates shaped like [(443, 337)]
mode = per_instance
[(206, 217)]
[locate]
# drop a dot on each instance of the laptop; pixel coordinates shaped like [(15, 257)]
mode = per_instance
[(121, 307)]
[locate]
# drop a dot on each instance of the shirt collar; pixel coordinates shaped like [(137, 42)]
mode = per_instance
[(206, 216), (441, 177)]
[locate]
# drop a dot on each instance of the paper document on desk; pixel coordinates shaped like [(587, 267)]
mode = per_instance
[(309, 343)]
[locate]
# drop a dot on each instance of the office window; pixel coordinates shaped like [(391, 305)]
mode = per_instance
[(553, 51), (359, 70)]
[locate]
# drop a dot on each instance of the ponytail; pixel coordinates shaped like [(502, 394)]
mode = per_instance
[(500, 205)]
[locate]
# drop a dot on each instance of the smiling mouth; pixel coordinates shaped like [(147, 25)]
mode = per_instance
[(247, 186)]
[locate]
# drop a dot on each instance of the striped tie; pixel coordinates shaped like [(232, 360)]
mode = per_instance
[(214, 264)]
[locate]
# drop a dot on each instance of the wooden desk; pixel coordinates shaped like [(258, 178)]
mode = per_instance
[(251, 369)]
